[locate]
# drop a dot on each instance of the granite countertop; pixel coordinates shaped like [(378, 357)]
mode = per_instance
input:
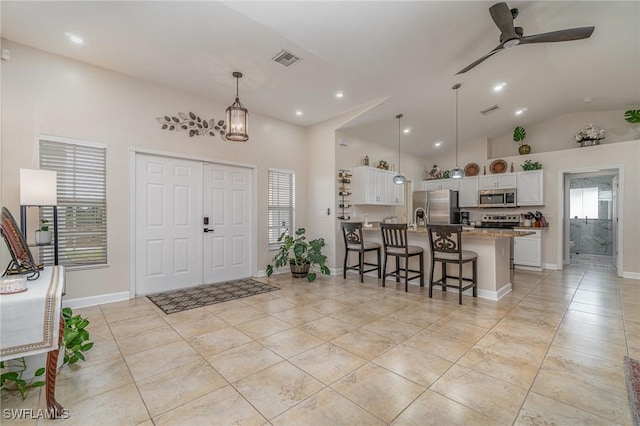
[(471, 232)]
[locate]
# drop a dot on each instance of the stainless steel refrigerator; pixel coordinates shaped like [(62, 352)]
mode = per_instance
[(436, 207)]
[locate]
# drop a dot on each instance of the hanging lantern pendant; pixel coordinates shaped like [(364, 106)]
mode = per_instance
[(237, 118)]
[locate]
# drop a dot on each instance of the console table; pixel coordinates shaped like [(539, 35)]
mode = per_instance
[(31, 323)]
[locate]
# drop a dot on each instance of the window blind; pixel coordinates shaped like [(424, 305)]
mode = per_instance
[(281, 203), (82, 203)]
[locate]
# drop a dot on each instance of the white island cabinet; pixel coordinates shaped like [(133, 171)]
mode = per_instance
[(530, 188), (527, 251)]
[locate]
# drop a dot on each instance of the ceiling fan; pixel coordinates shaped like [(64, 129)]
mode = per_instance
[(511, 35)]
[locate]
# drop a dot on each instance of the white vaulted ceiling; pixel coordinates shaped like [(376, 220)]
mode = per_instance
[(406, 53)]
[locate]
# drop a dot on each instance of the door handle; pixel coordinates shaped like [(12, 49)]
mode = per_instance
[(208, 230)]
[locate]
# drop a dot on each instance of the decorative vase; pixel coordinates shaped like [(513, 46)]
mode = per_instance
[(299, 271), (524, 149), (43, 237)]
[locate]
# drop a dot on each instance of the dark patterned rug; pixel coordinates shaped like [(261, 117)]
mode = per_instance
[(209, 294), (632, 370)]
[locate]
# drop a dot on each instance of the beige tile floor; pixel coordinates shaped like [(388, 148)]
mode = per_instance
[(338, 352)]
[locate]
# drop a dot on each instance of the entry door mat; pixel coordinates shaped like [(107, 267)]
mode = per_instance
[(184, 299), (632, 372)]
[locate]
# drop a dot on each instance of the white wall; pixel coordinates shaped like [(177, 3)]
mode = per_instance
[(558, 133), (48, 94)]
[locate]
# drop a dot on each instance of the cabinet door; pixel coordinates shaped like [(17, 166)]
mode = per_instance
[(452, 184), (396, 193), (382, 179), (468, 195), (530, 188), (506, 181), (486, 182), (430, 185), (527, 251)]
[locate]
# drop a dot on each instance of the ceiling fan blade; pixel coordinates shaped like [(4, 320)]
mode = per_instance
[(561, 35), (479, 61), (501, 15)]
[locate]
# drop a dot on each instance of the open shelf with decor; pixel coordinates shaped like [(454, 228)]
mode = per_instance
[(344, 179)]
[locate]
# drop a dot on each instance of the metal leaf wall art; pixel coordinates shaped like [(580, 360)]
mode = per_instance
[(193, 124)]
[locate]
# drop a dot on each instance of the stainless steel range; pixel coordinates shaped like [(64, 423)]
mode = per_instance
[(502, 221)]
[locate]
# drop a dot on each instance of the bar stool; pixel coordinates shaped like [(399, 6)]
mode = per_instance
[(446, 247), (394, 241), (353, 241)]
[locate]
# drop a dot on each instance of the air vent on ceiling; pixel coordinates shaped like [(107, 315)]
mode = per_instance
[(286, 58), (489, 110)]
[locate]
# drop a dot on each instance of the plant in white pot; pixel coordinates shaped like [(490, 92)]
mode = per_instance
[(300, 255), (43, 235)]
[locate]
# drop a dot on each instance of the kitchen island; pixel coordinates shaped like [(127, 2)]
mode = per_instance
[(492, 245)]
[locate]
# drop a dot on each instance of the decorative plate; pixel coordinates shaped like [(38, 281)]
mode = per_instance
[(471, 169), (498, 166)]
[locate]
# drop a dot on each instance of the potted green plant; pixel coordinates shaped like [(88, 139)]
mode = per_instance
[(632, 116), (519, 133), (300, 255), (43, 236), (531, 165)]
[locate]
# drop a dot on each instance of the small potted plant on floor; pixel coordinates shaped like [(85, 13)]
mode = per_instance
[(43, 235), (300, 255)]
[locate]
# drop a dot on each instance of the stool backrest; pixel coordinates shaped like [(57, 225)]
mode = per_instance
[(445, 238), (352, 233), (394, 235)]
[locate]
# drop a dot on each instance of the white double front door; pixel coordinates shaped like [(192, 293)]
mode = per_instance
[(193, 223)]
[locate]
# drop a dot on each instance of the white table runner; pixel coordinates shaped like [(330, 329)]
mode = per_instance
[(30, 321)]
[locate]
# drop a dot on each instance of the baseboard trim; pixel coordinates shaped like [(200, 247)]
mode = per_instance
[(528, 268), (551, 266), (495, 295), (84, 302), (631, 275)]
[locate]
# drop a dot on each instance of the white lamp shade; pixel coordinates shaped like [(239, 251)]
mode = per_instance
[(38, 187)]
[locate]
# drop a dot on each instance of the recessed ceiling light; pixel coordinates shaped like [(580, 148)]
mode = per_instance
[(74, 38), (438, 143), (407, 130), (339, 95), (499, 87), (298, 112), (520, 111), (589, 99)]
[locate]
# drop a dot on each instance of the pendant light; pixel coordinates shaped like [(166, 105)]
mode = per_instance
[(399, 179), (237, 118), (456, 172)]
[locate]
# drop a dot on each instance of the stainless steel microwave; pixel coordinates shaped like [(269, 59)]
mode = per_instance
[(497, 197)]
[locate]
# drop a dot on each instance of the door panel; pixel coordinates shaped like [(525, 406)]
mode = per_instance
[(168, 232), (227, 202)]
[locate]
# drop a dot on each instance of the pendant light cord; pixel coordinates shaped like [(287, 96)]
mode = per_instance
[(399, 117), (457, 86)]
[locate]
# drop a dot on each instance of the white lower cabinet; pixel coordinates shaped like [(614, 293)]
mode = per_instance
[(527, 251)]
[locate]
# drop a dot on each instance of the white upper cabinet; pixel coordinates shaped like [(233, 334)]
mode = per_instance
[(437, 184), (468, 192), (530, 188), (375, 186), (499, 181)]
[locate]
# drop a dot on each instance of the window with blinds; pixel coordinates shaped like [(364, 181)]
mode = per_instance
[(281, 203), (82, 202)]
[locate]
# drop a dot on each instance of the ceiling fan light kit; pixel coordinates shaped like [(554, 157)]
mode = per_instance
[(512, 36)]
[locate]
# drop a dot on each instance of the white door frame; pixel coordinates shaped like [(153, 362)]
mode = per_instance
[(562, 226), (132, 204)]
